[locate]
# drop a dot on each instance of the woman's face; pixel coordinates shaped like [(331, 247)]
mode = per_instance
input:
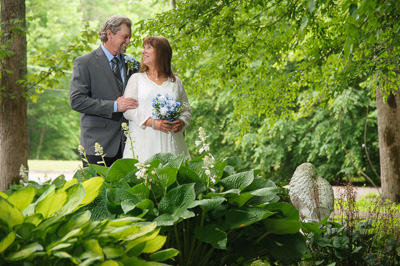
[(148, 55)]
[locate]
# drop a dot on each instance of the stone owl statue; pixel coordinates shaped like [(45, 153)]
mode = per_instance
[(311, 194)]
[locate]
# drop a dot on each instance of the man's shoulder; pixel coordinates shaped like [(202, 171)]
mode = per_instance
[(91, 55)]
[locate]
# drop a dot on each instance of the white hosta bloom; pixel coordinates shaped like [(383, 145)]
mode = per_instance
[(81, 150), (141, 173), (141, 165), (208, 172), (98, 149), (213, 179), (198, 142), (125, 126)]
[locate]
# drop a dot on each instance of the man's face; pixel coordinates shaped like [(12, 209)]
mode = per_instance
[(117, 43)]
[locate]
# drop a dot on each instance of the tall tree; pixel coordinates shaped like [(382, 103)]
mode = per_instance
[(333, 45), (13, 102)]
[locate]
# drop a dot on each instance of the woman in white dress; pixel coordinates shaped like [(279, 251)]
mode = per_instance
[(152, 136)]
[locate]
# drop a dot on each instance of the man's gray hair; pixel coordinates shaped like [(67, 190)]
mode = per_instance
[(114, 24)]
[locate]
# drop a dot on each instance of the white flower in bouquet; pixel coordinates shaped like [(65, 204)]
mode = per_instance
[(166, 108)]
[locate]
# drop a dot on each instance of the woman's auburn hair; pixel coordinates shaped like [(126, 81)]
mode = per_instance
[(163, 52)]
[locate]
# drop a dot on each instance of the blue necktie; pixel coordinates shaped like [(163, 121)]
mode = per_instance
[(117, 74)]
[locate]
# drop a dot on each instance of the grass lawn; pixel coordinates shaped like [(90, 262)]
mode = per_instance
[(53, 165)]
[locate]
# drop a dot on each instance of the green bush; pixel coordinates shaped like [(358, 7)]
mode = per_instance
[(209, 210), (47, 225)]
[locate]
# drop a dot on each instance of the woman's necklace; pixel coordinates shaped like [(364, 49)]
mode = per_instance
[(156, 79)]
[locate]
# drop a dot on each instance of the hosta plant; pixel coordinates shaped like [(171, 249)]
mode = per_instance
[(48, 225), (210, 211)]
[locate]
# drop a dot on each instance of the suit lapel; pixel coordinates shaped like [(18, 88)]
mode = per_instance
[(103, 62)]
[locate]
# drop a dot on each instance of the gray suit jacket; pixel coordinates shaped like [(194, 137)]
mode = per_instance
[(93, 90)]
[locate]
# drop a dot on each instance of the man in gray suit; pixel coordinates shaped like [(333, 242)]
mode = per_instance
[(97, 92)]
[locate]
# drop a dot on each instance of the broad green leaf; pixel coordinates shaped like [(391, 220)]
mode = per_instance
[(164, 255), (241, 199), (110, 263), (176, 163), (166, 219), (120, 169), (35, 219), (284, 210), (4, 195), (154, 244), (25, 231), (75, 194), (237, 181), (51, 204), (240, 217), (208, 204), (100, 169), (140, 191), (85, 173), (187, 175), (229, 193), (164, 158), (93, 245), (70, 183), (7, 241), (65, 255), (166, 176), (144, 229), (76, 221), (22, 198), (285, 248), (92, 188), (282, 226), (177, 199), (213, 235), (25, 252), (112, 253), (10, 214), (135, 241)]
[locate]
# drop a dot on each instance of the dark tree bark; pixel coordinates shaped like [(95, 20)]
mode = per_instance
[(389, 144), (13, 102)]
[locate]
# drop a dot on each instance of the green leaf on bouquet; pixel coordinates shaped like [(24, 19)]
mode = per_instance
[(22, 198), (120, 169), (164, 255), (237, 181), (213, 235), (240, 217)]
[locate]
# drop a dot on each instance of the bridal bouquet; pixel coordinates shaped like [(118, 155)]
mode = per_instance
[(166, 108)]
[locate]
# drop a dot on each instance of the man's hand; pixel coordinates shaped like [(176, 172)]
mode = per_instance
[(126, 103)]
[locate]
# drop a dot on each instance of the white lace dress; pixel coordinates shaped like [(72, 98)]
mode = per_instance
[(147, 141)]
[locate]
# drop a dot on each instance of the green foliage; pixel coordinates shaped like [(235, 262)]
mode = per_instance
[(234, 220), (46, 224), (364, 232)]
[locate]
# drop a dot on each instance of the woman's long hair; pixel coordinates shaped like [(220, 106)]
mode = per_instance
[(163, 52)]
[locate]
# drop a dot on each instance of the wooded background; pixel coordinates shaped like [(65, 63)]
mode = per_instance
[(276, 83)]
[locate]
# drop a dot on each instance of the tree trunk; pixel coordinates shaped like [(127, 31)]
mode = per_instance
[(13, 103), (389, 144), (172, 4)]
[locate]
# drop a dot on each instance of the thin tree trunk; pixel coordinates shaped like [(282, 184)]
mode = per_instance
[(172, 4), (42, 133), (13, 103), (389, 144)]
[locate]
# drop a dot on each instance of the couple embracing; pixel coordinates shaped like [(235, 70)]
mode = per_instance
[(108, 92)]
